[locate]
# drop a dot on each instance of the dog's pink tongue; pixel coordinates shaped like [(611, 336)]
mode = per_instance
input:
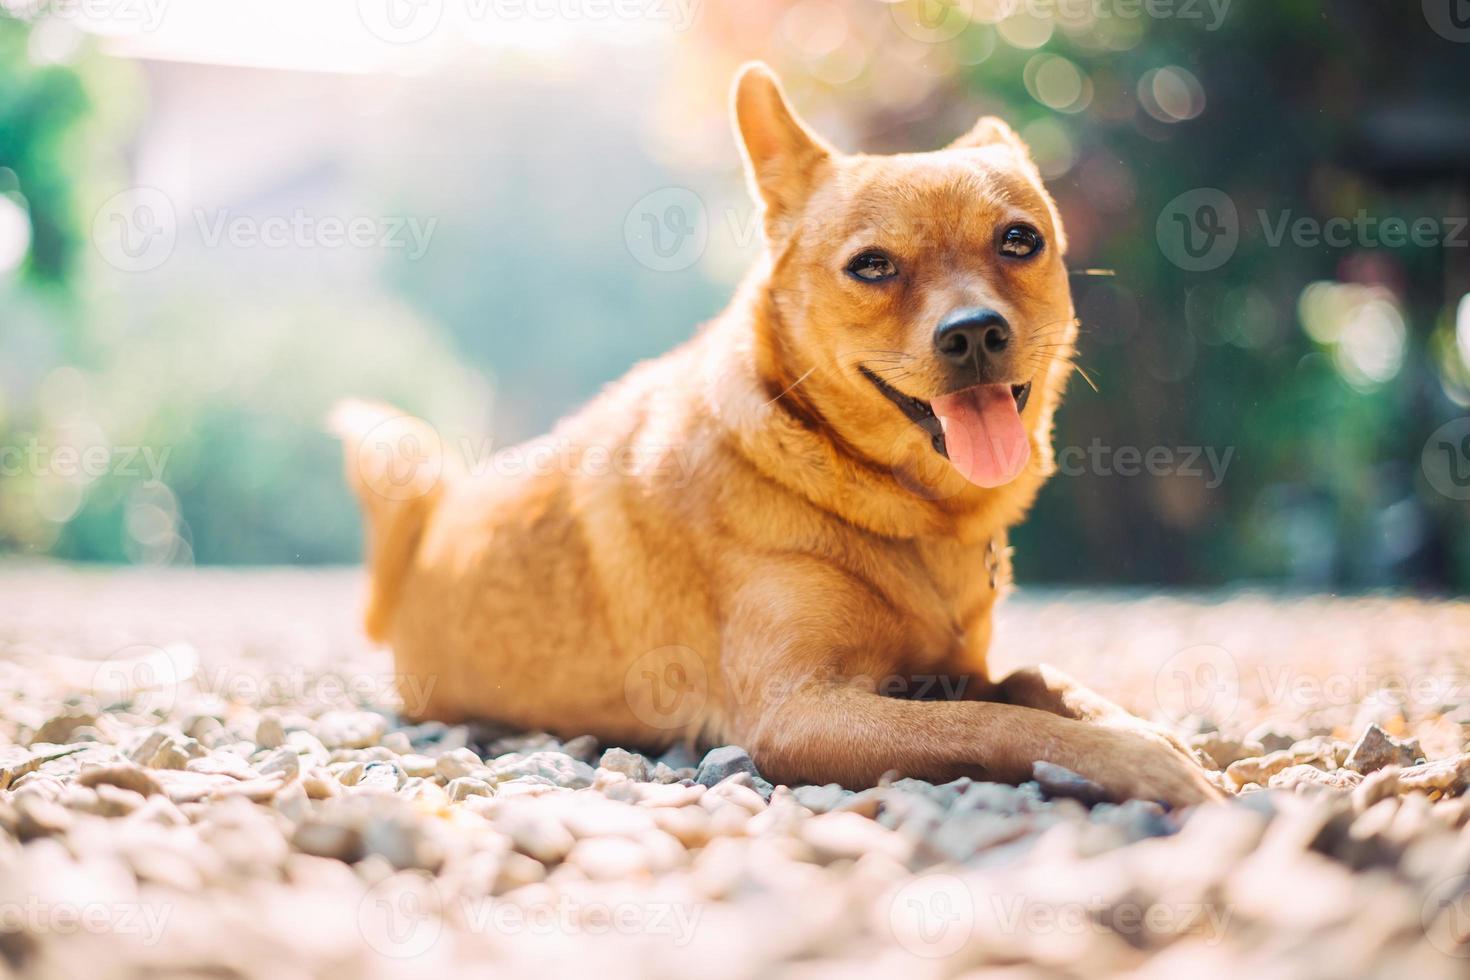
[(983, 434)]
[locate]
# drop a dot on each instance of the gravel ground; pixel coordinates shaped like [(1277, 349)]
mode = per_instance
[(268, 816)]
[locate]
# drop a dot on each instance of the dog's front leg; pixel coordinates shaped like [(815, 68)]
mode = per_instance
[(793, 697), (832, 731)]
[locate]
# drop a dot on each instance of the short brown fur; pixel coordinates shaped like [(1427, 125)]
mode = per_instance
[(782, 549)]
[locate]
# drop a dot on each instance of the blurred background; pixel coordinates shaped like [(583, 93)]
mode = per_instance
[(218, 217)]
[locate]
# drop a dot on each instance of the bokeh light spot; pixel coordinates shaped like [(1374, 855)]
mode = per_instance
[(1024, 30), (1171, 94), (1051, 147), (1057, 83), (1361, 325), (15, 234)]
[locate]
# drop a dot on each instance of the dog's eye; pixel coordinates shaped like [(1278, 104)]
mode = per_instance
[(1020, 242), (872, 266)]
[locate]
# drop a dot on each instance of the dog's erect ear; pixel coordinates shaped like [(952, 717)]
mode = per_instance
[(992, 131), (782, 156)]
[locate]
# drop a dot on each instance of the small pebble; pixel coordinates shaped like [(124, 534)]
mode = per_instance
[(820, 799), (609, 858), (630, 764), (722, 763), (40, 817), (282, 761), (847, 836), (380, 777), (539, 836), (123, 774), (458, 762), (328, 840), (1273, 737), (466, 786), (397, 742), (1444, 775), (1376, 749), (1222, 751), (1057, 781), (269, 734), (350, 729), (1307, 776), (583, 748), (554, 768)]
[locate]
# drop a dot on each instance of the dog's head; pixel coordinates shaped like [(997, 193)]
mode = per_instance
[(919, 305)]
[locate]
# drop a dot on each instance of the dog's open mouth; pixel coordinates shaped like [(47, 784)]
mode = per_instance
[(978, 429)]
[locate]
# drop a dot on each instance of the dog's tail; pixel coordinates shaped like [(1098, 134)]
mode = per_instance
[(396, 465)]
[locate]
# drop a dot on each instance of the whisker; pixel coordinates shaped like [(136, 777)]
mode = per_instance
[(1061, 324), (1044, 354), (877, 350), (791, 387), (1087, 377)]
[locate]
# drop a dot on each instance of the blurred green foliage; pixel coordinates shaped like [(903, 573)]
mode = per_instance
[(1304, 107), (1325, 488)]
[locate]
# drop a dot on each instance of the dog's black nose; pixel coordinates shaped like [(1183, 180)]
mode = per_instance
[(972, 334)]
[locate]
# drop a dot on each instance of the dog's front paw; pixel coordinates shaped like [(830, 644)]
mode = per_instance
[(1137, 764), (1124, 722)]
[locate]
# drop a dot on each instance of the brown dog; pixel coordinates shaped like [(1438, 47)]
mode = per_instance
[(790, 531)]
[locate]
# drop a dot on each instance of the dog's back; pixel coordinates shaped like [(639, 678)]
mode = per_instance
[(525, 587)]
